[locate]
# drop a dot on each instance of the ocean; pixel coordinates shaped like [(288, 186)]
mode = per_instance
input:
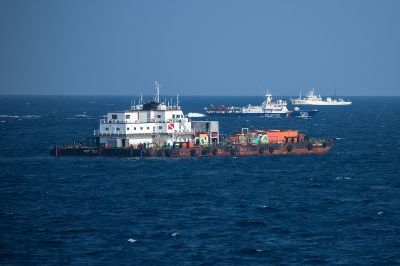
[(339, 208)]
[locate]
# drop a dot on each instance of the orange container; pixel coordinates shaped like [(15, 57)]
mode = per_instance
[(204, 136)]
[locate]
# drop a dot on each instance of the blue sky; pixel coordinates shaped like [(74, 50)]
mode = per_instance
[(200, 47)]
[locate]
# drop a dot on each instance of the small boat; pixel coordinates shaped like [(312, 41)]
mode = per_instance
[(312, 99), (157, 129), (297, 112)]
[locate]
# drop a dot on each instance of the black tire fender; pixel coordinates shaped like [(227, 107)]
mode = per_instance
[(310, 146), (215, 152), (271, 149), (290, 147)]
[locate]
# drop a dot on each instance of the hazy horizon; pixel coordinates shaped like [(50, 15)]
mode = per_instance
[(200, 47)]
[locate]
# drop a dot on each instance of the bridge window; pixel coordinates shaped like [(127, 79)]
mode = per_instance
[(114, 116), (128, 117), (160, 127)]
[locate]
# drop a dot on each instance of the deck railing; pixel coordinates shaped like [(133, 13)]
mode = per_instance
[(151, 120), (120, 133)]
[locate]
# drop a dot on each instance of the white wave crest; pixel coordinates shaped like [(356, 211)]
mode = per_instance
[(24, 116), (132, 240), (32, 116), (10, 116)]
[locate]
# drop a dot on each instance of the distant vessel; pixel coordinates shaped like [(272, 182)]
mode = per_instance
[(312, 99), (268, 108), (297, 112), (157, 129)]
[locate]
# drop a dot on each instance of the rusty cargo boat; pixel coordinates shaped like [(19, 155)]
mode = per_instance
[(157, 129)]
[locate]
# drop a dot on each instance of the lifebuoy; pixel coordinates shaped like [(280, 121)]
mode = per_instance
[(324, 144), (290, 147), (193, 152), (271, 149), (310, 146), (204, 152), (160, 153), (261, 150), (215, 152), (233, 151), (169, 152)]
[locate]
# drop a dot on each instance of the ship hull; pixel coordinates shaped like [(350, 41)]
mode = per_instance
[(306, 147), (230, 113), (320, 103), (299, 113)]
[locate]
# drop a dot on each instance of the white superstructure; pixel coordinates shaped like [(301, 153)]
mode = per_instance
[(267, 106), (312, 99), (152, 124)]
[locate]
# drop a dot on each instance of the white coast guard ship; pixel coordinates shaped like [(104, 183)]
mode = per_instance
[(154, 125), (312, 99), (268, 108)]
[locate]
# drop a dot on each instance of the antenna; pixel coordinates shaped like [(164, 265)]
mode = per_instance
[(141, 99), (157, 98)]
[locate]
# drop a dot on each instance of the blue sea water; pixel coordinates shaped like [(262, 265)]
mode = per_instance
[(340, 208)]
